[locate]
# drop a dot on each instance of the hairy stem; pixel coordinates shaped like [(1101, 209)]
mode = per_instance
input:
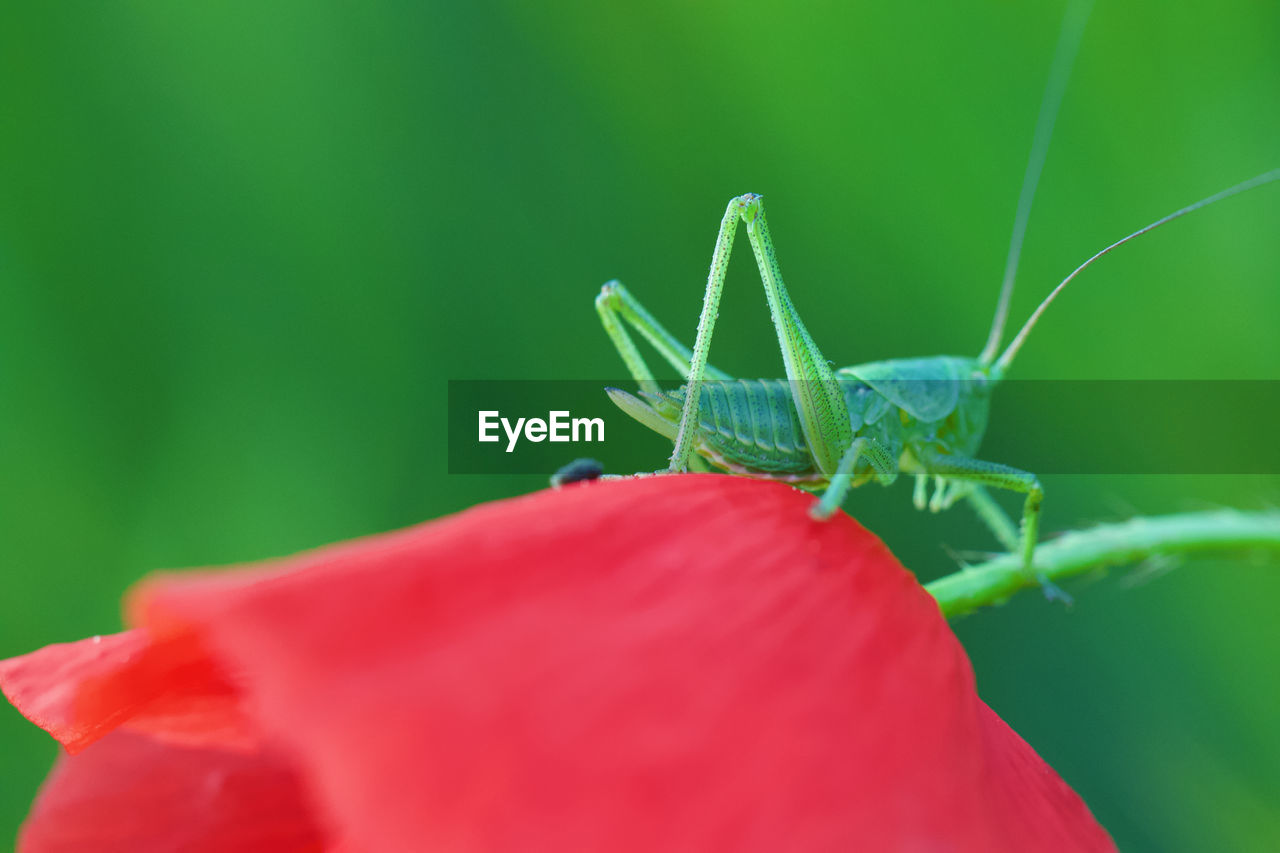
[(1080, 552)]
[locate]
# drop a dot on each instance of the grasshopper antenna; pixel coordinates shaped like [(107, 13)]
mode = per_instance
[(1007, 357), (1064, 56)]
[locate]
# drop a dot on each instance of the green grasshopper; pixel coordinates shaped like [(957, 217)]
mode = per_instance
[(829, 430)]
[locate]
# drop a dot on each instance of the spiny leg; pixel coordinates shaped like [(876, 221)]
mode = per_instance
[(702, 343), (842, 480), (1000, 476), (823, 414), (617, 306)]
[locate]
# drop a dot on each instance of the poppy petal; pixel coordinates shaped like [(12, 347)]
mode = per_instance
[(686, 662), (661, 663), (133, 793), (79, 692)]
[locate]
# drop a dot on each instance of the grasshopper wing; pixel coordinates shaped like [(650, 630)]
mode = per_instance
[(925, 388)]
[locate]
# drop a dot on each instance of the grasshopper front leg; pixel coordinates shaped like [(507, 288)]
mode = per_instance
[(947, 492), (823, 414), (885, 467), (984, 473)]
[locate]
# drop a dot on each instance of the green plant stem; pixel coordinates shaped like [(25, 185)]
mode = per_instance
[(1107, 545)]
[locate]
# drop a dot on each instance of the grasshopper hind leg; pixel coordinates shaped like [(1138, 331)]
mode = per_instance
[(618, 309)]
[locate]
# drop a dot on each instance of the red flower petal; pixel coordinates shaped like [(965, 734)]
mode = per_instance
[(136, 793), (79, 692), (676, 662)]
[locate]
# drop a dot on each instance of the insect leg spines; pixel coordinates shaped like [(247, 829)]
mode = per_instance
[(819, 402), (687, 428), (981, 472)]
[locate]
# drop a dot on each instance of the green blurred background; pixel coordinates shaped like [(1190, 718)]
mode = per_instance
[(243, 246)]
